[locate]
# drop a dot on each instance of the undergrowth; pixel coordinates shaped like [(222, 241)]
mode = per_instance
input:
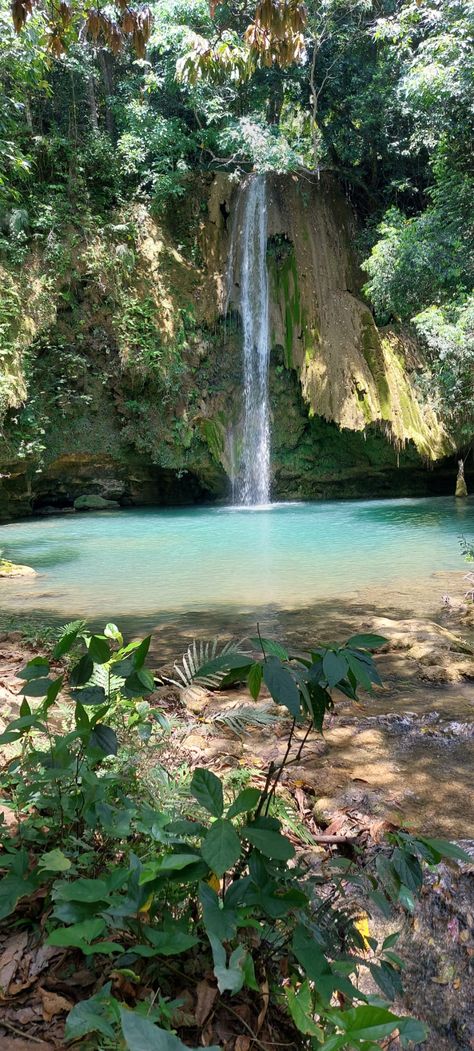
[(196, 915)]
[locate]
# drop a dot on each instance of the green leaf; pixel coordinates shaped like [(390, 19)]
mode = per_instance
[(367, 1022), (99, 650), (271, 844), (35, 669), (367, 642), (81, 890), (168, 863), (411, 1031), (334, 667), (219, 920), (447, 849), (111, 631), (82, 672), (89, 695), (408, 869), (301, 1010), (104, 738), (245, 801), (54, 861), (221, 846), (170, 941), (37, 687), (52, 693), (141, 652), (229, 978), (91, 1016), (387, 978), (271, 648), (405, 897), (254, 680), (207, 789), (77, 934), (146, 678), (142, 1035), (282, 685), (66, 643), (138, 683)]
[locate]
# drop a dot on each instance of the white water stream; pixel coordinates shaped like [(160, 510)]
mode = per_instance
[(248, 254)]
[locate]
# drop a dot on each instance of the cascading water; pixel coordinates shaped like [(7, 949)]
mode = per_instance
[(249, 246)]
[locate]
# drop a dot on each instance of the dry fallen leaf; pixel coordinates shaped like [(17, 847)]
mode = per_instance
[(10, 959), (206, 998), (53, 1004), (242, 1043)]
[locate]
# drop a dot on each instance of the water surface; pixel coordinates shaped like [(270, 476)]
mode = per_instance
[(222, 563)]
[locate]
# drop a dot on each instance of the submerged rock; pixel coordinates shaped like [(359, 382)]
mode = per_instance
[(95, 503)]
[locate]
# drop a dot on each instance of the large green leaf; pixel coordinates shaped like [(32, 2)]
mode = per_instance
[(142, 1035), (245, 801), (99, 649), (334, 667), (37, 687), (282, 685), (77, 933), (301, 1011), (66, 643), (368, 1022), (104, 738), (140, 654), (89, 695), (270, 843), (447, 849), (168, 863), (221, 846), (219, 921), (270, 647), (254, 680), (81, 890), (408, 869), (207, 789), (91, 1016), (231, 977), (82, 671), (170, 941), (367, 642), (35, 669)]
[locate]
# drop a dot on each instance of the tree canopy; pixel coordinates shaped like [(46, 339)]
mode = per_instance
[(101, 106)]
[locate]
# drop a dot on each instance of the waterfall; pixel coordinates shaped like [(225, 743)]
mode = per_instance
[(249, 246)]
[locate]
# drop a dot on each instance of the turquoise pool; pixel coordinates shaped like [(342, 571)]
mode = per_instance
[(220, 561)]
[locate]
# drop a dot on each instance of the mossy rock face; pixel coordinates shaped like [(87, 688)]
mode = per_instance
[(92, 502)]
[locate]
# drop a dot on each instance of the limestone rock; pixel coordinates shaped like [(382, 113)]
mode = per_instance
[(9, 569), (91, 502)]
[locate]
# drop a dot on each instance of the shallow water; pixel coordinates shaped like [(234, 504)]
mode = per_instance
[(220, 564)]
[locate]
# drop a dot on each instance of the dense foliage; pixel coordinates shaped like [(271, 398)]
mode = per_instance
[(379, 94), (201, 884)]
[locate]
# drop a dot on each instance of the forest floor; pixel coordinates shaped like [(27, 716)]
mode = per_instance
[(401, 757)]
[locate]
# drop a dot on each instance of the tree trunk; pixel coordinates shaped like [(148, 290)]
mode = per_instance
[(92, 104), (106, 63)]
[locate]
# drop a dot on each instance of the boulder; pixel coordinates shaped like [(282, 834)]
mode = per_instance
[(10, 569), (91, 502)]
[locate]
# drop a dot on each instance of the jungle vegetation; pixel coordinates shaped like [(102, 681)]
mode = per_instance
[(103, 107)]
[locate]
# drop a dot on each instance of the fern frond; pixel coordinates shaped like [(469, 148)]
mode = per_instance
[(74, 625), (100, 677), (197, 655), (245, 717)]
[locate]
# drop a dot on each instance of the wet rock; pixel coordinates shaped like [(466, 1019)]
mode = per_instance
[(94, 503), (10, 569)]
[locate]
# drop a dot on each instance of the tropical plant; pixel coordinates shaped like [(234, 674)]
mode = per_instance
[(214, 894)]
